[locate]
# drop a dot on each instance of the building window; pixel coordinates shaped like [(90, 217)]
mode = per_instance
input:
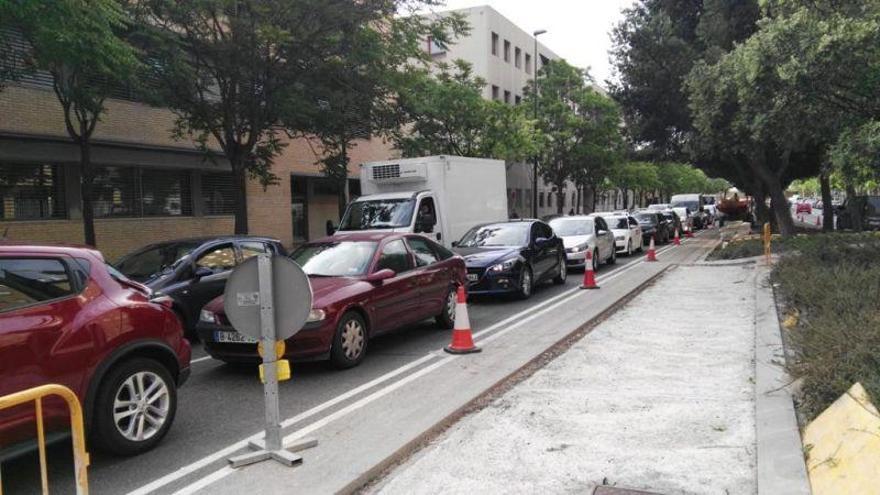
[(495, 44), (541, 199), (434, 48), (31, 192), (136, 192), (528, 64), (325, 187), (506, 96), (506, 51), (517, 57), (218, 194), (518, 99), (549, 200), (544, 60), (495, 91)]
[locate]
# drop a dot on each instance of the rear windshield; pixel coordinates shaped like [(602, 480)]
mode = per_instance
[(617, 222), (499, 234), (565, 227), (646, 218)]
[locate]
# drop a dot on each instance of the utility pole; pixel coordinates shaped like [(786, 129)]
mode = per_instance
[(535, 97)]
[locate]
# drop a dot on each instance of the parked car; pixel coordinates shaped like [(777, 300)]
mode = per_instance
[(192, 272), (867, 206), (655, 225), (686, 219), (512, 257), (674, 222), (659, 206), (626, 230), (363, 285), (803, 207), (68, 318), (586, 233)]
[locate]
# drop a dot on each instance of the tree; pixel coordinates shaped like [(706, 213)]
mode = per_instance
[(80, 44), (236, 71), (443, 112), (580, 128)]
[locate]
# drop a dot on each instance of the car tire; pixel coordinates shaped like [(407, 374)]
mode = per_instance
[(562, 272), (526, 283), (613, 258), (446, 318), (629, 247), (596, 263), (127, 382), (349, 342)]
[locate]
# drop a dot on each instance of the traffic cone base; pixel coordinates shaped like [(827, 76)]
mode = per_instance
[(677, 239), (589, 275), (652, 253), (462, 339)]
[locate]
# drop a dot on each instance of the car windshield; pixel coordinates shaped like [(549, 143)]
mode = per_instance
[(155, 260), (646, 218), (617, 222), (499, 234), (335, 259), (565, 227), (378, 214), (658, 207)]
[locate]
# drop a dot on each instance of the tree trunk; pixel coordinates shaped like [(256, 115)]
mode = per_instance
[(577, 204), (87, 181), (341, 197), (595, 198), (855, 214), (560, 196), (779, 205), (762, 213), (240, 180), (827, 208)]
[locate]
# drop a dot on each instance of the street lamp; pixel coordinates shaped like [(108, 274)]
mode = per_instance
[(535, 98)]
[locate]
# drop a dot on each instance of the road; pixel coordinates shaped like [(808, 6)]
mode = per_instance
[(221, 405)]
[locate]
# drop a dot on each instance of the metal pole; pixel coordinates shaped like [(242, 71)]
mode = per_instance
[(535, 158), (267, 328)]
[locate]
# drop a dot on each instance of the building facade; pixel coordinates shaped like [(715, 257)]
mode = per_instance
[(149, 187), (505, 56)]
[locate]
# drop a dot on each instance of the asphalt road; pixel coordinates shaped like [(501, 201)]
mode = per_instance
[(222, 404)]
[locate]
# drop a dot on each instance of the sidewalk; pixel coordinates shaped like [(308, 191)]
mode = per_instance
[(660, 397)]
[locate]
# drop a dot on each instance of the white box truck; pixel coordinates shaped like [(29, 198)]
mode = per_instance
[(441, 196)]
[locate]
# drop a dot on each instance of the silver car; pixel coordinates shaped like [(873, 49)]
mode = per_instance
[(581, 234)]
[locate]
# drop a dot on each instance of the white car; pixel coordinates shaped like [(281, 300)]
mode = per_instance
[(687, 220), (659, 207), (581, 234), (626, 229)]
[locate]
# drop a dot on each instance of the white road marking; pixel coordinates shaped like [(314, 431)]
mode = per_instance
[(223, 472), (199, 360)]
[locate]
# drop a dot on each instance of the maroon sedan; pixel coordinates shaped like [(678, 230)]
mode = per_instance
[(68, 318), (364, 284)]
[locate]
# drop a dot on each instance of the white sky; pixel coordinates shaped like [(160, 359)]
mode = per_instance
[(577, 30)]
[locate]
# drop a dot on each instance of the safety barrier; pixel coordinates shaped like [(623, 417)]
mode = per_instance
[(80, 456)]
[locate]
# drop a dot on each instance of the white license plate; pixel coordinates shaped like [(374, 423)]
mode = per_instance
[(473, 277), (232, 338)]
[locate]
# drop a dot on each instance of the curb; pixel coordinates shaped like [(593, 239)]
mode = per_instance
[(780, 458), (380, 470)]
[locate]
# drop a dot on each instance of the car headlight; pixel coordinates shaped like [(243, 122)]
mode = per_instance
[(207, 316), (316, 315), (504, 266), (578, 248)]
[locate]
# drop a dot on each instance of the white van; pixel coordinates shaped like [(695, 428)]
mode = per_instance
[(440, 196)]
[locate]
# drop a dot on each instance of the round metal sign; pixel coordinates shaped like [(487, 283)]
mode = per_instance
[(291, 298)]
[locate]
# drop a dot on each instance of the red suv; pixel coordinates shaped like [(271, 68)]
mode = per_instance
[(66, 317)]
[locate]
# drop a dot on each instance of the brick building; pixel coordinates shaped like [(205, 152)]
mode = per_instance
[(149, 187)]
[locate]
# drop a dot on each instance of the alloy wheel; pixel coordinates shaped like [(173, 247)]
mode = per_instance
[(353, 339), (451, 301), (141, 406), (526, 282)]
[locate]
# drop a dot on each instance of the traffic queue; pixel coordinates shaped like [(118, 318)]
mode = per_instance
[(119, 335)]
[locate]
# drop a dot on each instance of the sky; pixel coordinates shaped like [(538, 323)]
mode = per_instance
[(577, 30)]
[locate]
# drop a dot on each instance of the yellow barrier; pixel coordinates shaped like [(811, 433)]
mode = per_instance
[(767, 242), (80, 456)]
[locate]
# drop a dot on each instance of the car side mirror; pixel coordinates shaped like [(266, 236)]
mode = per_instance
[(454, 243), (378, 276), (201, 272), (329, 227), (541, 241), (601, 232)]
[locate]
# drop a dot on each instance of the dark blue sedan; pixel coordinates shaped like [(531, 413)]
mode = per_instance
[(511, 257)]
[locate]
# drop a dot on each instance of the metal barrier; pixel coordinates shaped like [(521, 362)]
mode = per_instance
[(80, 456)]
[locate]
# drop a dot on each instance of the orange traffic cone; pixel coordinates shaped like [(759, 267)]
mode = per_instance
[(589, 275), (462, 340), (652, 253), (676, 240), (688, 233)]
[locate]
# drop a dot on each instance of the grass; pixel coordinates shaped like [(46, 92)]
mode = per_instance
[(830, 285)]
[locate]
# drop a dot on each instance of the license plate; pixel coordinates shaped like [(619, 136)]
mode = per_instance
[(233, 338), (473, 277)]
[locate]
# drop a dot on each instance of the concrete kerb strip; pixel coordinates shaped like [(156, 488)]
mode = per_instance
[(386, 466), (780, 458)]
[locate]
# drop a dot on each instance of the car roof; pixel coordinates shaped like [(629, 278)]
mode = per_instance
[(56, 249), (369, 236), (206, 240)]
